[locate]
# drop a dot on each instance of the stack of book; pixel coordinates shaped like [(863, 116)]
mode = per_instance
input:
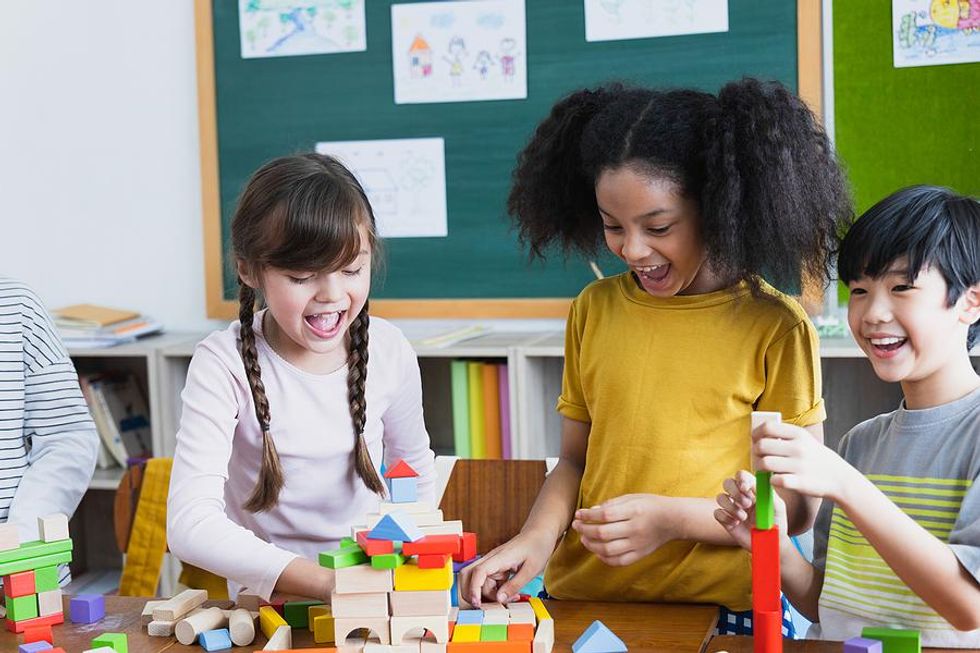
[(121, 418), (86, 326), (481, 409)]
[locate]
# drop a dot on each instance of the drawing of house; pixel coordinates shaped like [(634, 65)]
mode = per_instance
[(420, 58)]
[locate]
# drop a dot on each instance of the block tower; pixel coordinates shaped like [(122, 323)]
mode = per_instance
[(396, 577), (767, 609), (30, 573)]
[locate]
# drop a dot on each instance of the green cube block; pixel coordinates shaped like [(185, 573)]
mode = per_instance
[(46, 579), (493, 633), (346, 543), (116, 641), (894, 640), (21, 608), (765, 516), (297, 613), (387, 561), (350, 556)]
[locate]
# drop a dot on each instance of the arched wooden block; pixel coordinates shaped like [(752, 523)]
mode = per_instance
[(343, 627), (437, 625)]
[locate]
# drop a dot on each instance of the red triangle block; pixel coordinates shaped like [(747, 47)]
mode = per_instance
[(374, 547), (401, 469), (433, 545)]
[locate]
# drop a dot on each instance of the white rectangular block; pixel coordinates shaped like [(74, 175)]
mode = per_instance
[(454, 527), (412, 507), (496, 618), (49, 603), (362, 579), (9, 537), (420, 603), (428, 518), (147, 615), (345, 606), (175, 608), (53, 528), (760, 417), (544, 637)]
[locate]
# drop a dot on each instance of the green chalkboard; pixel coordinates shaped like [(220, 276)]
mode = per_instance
[(900, 126), (263, 108)]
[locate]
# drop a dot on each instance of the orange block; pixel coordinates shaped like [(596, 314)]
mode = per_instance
[(21, 626), (432, 561), (38, 634), (488, 647), (520, 632)]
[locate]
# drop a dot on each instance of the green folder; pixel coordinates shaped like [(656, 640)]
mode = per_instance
[(461, 408)]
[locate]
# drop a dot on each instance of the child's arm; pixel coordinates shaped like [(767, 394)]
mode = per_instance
[(926, 564), (525, 556), (801, 510), (801, 581)]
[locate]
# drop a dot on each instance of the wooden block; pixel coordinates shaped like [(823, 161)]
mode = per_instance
[(431, 647), (101, 649), (354, 645), (894, 640), (760, 417), (270, 621), (315, 611), (493, 632), (396, 525), (21, 626), (493, 606), (387, 561), (46, 579), (520, 632), (38, 634), (862, 645), (413, 507), (412, 646), (454, 527), (489, 647), (377, 625), (361, 579), (178, 606), (403, 490), (282, 637), (419, 604), (9, 537), (765, 570), (466, 632), (22, 608), (160, 628), (147, 614), (436, 561), (374, 547), (215, 640), (297, 613), (49, 603), (437, 625), (342, 558), (345, 606), (469, 617), (20, 584), (433, 545), (241, 626), (323, 628), (544, 636), (410, 578), (767, 631), (25, 564), (522, 613), (540, 611), (53, 528), (34, 551), (496, 618), (249, 601), (467, 547), (190, 627), (428, 518), (118, 642)]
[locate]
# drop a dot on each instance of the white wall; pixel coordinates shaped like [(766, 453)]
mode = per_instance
[(99, 172)]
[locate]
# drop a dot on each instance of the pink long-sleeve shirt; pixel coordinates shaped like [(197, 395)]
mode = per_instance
[(219, 453)]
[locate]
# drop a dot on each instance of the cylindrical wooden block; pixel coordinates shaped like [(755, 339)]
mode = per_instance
[(241, 624), (188, 629)]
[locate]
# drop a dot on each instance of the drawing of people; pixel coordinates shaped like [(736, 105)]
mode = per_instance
[(483, 62), (457, 52), (508, 58), (420, 58)]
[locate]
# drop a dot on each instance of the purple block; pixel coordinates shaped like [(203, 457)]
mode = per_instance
[(34, 647), (458, 566), (862, 645), (86, 608)]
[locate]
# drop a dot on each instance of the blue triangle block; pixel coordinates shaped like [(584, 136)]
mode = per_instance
[(396, 525), (597, 638)]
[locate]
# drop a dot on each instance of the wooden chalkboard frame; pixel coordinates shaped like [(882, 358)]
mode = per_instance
[(810, 81)]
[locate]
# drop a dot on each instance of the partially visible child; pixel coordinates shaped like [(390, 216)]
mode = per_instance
[(48, 442), (898, 535), (290, 411)]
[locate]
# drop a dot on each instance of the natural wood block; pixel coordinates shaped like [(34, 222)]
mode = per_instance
[(361, 579), (49, 603), (282, 638), (427, 646), (147, 614), (9, 537), (496, 618), (438, 625), (544, 637), (178, 606), (160, 628), (427, 518), (241, 626), (192, 625), (249, 601), (410, 647), (369, 604), (489, 647), (377, 625), (420, 604), (410, 507), (454, 527), (53, 528)]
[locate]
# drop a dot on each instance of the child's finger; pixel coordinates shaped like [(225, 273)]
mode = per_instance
[(736, 493), (607, 549), (726, 520), (602, 532), (746, 482), (601, 514), (778, 430), (728, 505)]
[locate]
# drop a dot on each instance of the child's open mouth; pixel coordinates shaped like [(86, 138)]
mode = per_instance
[(653, 278), (325, 325), (885, 347)]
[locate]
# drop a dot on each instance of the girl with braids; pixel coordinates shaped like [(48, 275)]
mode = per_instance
[(287, 413), (700, 195)]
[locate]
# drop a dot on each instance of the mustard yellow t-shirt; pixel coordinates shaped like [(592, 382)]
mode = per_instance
[(668, 385)]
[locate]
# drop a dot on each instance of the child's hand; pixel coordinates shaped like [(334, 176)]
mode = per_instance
[(500, 575), (736, 511), (622, 530), (798, 462)]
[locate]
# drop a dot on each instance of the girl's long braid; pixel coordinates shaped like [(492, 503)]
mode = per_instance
[(357, 361), (270, 481)]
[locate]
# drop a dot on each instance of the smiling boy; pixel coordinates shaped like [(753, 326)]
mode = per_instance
[(897, 540)]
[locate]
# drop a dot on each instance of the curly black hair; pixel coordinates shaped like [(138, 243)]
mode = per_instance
[(771, 192)]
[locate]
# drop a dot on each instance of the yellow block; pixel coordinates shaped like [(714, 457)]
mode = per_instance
[(467, 633), (540, 611), (409, 578), (270, 620), (322, 626)]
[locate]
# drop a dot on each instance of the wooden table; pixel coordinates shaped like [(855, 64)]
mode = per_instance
[(646, 628), (741, 644)]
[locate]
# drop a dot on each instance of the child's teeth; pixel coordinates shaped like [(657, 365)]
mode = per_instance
[(885, 341)]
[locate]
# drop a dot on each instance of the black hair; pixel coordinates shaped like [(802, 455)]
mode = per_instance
[(931, 226), (770, 190)]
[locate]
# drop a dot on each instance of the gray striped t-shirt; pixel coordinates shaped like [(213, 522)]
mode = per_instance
[(927, 462), (48, 442)]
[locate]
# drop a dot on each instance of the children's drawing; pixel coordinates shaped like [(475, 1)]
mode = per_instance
[(284, 28), (935, 32), (458, 51), (614, 20), (405, 181)]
